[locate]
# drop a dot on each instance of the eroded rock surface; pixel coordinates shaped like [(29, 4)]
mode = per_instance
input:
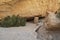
[(52, 21), (27, 8), (44, 34)]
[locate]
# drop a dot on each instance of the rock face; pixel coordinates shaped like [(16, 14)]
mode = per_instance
[(1, 1), (44, 34), (53, 22), (27, 8)]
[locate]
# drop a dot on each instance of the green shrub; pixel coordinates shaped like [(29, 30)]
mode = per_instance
[(23, 21), (13, 21), (58, 13)]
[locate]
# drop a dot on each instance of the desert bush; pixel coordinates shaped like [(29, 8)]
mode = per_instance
[(13, 21), (58, 13)]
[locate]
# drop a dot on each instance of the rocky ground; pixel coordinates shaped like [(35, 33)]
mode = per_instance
[(19, 33), (44, 34), (28, 33)]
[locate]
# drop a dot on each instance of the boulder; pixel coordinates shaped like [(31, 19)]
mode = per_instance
[(52, 22)]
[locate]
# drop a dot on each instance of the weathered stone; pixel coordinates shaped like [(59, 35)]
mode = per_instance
[(52, 22), (29, 8), (44, 34), (36, 20)]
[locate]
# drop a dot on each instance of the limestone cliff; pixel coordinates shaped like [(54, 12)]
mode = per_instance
[(27, 8)]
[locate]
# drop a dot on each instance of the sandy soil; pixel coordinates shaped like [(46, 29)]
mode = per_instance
[(19, 33)]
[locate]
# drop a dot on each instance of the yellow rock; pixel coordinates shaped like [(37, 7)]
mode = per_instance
[(28, 8)]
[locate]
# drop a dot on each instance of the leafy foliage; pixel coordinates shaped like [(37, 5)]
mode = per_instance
[(58, 13), (13, 21)]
